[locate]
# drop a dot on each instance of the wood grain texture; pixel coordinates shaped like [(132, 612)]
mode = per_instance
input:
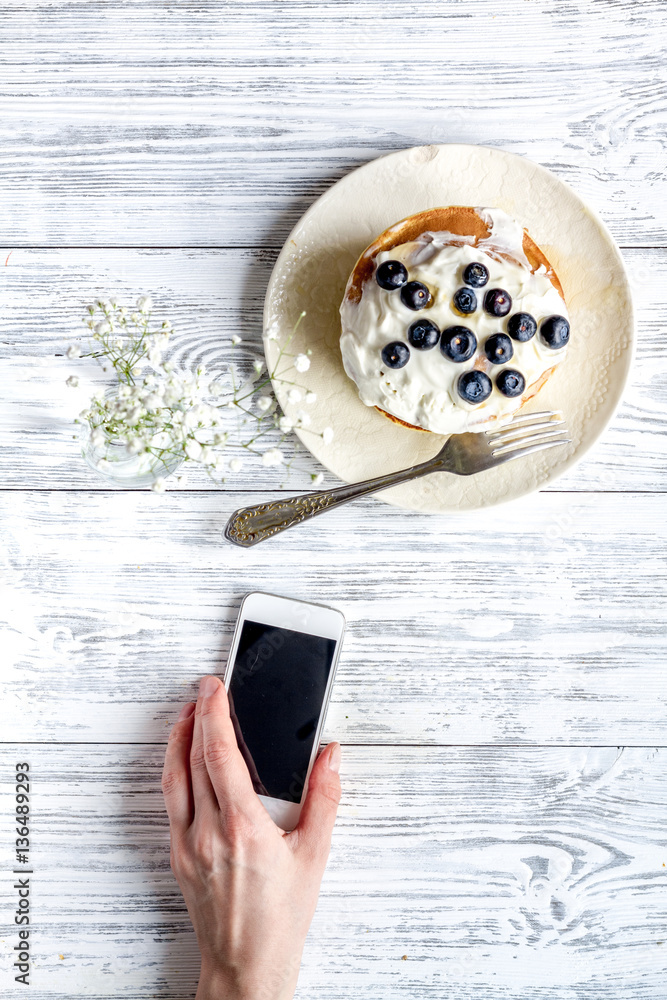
[(497, 872), (531, 865), (218, 124), (550, 628), (211, 295)]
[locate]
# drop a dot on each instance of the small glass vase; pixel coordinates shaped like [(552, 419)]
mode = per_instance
[(121, 467)]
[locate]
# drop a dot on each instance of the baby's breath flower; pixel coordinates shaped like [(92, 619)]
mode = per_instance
[(328, 435), (159, 486), (236, 339), (294, 395), (273, 456), (73, 351), (311, 397), (264, 403), (258, 367), (285, 424), (303, 418), (72, 382), (302, 363), (236, 465), (136, 446), (103, 328), (145, 304), (272, 332), (317, 478), (193, 449)]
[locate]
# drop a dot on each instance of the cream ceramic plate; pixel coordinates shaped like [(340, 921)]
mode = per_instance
[(312, 270)]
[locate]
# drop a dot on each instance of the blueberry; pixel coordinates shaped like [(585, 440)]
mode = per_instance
[(423, 334), (555, 332), (465, 300), (476, 275), (392, 274), (521, 326), (474, 386), (458, 343), (414, 295), (498, 348), (396, 354), (510, 382), (498, 302)]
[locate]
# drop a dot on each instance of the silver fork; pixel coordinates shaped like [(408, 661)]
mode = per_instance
[(463, 455)]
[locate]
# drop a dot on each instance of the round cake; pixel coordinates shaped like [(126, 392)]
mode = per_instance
[(452, 319)]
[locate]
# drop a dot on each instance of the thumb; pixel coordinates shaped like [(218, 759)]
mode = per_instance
[(318, 815)]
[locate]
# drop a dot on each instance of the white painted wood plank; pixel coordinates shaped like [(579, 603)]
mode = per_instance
[(210, 295), (218, 124), (494, 872), (542, 623)]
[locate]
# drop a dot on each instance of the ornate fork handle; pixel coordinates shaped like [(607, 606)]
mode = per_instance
[(250, 525)]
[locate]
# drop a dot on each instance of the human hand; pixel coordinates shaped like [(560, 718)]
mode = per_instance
[(250, 889)]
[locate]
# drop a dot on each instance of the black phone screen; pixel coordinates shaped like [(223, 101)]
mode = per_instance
[(275, 696)]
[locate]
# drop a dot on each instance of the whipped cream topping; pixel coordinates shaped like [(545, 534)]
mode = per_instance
[(424, 391)]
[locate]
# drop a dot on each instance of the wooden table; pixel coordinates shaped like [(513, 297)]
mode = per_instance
[(500, 697)]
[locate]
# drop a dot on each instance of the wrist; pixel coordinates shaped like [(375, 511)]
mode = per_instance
[(215, 984)]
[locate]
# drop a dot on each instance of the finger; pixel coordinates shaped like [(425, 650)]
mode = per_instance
[(312, 834), (227, 769), (205, 799), (176, 786)]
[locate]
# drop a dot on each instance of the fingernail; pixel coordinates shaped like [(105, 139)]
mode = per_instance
[(186, 711), (334, 758), (208, 686)]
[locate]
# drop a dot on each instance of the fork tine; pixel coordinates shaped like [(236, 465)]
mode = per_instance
[(542, 433), (524, 418), (520, 452), (511, 431)]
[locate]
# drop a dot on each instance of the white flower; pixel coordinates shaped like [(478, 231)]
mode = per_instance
[(285, 424), (145, 304), (236, 339), (317, 478), (302, 363), (327, 435), (236, 465), (136, 446), (272, 457), (193, 449), (166, 325), (258, 366), (152, 401), (294, 396), (97, 437), (264, 403), (215, 389), (208, 456), (159, 485), (72, 382), (272, 332), (303, 418), (74, 351), (155, 356), (311, 397), (102, 464), (103, 327)]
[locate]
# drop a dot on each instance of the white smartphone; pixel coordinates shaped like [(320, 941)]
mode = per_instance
[(278, 678)]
